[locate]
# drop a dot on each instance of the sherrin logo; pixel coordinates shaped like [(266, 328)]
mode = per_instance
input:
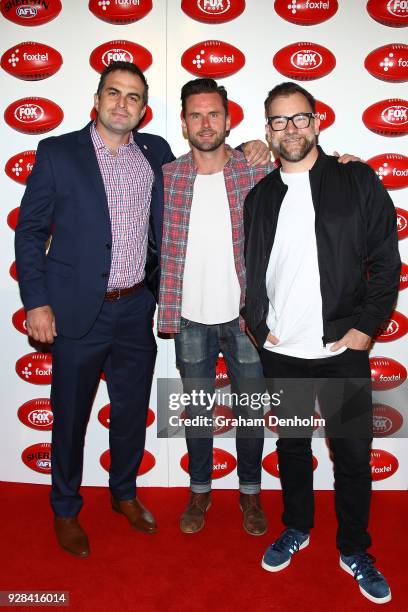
[(38, 457), (37, 414)]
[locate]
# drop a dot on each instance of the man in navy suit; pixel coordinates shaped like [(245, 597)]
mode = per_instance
[(99, 192)]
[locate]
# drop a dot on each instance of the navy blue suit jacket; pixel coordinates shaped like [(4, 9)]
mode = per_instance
[(65, 197)]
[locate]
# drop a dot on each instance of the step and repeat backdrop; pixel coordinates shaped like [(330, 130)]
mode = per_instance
[(352, 56)]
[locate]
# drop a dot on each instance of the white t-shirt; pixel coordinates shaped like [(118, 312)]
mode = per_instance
[(293, 279), (211, 290)]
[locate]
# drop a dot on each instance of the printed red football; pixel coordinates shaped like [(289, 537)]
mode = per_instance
[(386, 373), (326, 115), (388, 63), (402, 223), (392, 169), (383, 464), (20, 165), (13, 271), (30, 12), (120, 12), (148, 462), (403, 276), (306, 12), (213, 58), (304, 61), (33, 115), (12, 218), (386, 420), (19, 321), (213, 11), (31, 61), (35, 368), (38, 457), (37, 414), (223, 463), (104, 416), (387, 117), (148, 116), (236, 113), (120, 51), (392, 13), (221, 373), (270, 464), (395, 328)]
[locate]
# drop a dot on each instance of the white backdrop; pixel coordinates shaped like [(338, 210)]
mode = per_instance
[(167, 32)]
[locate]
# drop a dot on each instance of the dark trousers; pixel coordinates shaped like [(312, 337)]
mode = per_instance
[(351, 455), (121, 343)]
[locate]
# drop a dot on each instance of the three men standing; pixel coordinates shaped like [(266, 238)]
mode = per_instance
[(322, 275)]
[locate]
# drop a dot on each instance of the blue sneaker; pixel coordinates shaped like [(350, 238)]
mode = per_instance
[(279, 554), (372, 583)]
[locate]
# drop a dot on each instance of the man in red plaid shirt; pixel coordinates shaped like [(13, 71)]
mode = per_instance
[(203, 285)]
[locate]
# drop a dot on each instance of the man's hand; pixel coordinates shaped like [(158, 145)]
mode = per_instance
[(346, 158), (272, 339), (353, 339), (256, 153), (40, 324)]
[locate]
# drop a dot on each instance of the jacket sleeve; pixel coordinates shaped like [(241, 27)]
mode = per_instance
[(382, 256), (33, 230)]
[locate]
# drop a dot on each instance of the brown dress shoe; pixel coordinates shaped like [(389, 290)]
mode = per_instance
[(71, 537), (138, 516), (255, 522), (192, 519)]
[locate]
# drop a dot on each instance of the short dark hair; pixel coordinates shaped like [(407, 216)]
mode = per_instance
[(126, 67), (199, 86), (288, 89)]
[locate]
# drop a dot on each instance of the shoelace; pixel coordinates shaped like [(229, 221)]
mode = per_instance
[(287, 540), (363, 567)]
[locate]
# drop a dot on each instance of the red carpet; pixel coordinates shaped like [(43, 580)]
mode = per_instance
[(217, 569)]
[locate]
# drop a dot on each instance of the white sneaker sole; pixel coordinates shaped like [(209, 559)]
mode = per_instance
[(381, 600), (278, 568)]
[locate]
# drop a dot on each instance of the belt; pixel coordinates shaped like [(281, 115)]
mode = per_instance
[(116, 294)]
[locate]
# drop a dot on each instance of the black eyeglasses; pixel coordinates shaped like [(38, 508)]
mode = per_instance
[(280, 122)]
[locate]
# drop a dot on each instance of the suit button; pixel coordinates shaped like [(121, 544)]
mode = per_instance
[(108, 246), (105, 275)]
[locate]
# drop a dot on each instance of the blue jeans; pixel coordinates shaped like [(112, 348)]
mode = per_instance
[(197, 350)]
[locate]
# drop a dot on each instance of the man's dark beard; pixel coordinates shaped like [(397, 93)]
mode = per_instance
[(207, 146), (296, 156)]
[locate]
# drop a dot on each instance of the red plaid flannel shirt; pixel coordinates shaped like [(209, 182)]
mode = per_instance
[(179, 177)]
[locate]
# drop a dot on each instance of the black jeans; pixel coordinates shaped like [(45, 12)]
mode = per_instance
[(351, 455)]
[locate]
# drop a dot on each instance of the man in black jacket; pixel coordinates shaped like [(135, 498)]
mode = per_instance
[(314, 229)]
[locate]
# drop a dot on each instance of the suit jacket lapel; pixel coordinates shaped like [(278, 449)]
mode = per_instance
[(89, 162)]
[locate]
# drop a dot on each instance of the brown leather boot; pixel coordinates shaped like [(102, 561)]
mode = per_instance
[(192, 519), (71, 537), (138, 516), (255, 522)]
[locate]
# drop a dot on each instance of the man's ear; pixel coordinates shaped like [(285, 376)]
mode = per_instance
[(183, 126), (317, 124), (96, 101)]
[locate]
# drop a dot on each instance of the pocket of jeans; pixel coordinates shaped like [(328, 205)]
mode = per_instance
[(184, 323)]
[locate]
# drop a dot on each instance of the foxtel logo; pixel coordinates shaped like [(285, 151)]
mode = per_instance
[(224, 59), (306, 59)]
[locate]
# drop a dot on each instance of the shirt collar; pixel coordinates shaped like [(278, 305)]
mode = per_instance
[(100, 145)]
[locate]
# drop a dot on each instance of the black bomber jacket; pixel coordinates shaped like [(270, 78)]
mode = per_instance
[(357, 247)]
